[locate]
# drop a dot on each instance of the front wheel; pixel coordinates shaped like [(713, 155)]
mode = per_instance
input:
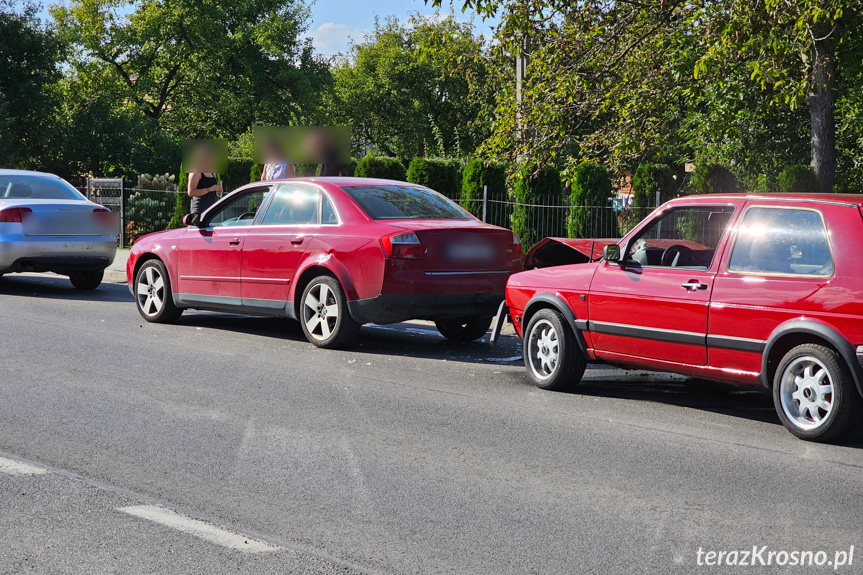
[(551, 352), (153, 294), (324, 314), (86, 280), (464, 329), (815, 395)]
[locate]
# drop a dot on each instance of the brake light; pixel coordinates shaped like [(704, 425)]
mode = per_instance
[(516, 246), (102, 213), (13, 215), (402, 245)]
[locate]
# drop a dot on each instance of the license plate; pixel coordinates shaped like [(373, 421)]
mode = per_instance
[(73, 224), (470, 252)]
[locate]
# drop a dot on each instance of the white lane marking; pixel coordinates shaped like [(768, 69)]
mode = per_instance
[(12, 467), (198, 528)]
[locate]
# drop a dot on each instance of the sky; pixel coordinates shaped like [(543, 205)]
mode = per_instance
[(336, 22)]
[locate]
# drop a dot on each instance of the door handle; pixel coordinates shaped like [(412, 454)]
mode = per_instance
[(234, 241), (693, 285), (298, 240)]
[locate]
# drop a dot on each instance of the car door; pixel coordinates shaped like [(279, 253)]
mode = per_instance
[(653, 304), (210, 256), (273, 250)]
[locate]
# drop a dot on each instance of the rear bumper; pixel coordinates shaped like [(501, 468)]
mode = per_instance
[(393, 308), (56, 254)]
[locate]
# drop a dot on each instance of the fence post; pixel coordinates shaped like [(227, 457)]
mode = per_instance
[(88, 188), (484, 203), (122, 212)]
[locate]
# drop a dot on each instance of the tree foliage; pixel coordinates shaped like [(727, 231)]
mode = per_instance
[(589, 215), (425, 87), (198, 69), (440, 174)]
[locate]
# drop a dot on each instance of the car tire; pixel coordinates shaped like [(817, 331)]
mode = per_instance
[(551, 353), (324, 314), (153, 296), (87, 280), (464, 329), (815, 395)]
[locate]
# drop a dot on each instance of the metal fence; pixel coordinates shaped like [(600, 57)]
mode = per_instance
[(143, 210), (539, 220)]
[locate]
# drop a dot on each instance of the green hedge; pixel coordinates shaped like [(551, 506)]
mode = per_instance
[(540, 189), (380, 167), (649, 179), (479, 174), (440, 174), (712, 179), (591, 214), (237, 172), (798, 178), (256, 172)]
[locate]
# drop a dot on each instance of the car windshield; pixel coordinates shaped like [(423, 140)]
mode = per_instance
[(404, 202), (37, 188)]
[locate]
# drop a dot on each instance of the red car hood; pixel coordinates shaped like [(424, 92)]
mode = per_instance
[(550, 252)]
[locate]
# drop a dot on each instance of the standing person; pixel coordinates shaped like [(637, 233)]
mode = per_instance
[(277, 167), (203, 184), (325, 149)]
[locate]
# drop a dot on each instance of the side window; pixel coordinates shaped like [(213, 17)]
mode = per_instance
[(293, 205), (328, 214), (782, 241), (682, 237), (238, 211)]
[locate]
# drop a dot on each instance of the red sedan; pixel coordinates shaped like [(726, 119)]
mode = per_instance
[(333, 253)]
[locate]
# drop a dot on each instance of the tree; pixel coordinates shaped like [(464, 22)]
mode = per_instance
[(422, 88), (590, 214), (717, 81), (31, 57), (198, 69)]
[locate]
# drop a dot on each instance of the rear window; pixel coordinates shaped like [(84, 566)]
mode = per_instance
[(404, 202), (39, 188)]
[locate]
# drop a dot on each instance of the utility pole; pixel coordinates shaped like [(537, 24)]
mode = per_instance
[(521, 62)]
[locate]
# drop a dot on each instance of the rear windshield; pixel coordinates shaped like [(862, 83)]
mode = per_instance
[(404, 202), (35, 187)]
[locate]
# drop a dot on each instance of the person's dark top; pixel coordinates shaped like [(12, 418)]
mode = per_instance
[(201, 204)]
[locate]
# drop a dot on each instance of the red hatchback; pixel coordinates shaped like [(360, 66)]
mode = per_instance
[(753, 290), (333, 253)]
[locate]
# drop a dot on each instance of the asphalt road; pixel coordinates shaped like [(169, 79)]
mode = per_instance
[(404, 454)]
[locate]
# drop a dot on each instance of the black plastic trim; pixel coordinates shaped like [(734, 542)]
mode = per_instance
[(577, 325)]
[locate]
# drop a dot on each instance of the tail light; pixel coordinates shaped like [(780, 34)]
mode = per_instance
[(402, 245), (103, 214), (516, 246), (13, 215)]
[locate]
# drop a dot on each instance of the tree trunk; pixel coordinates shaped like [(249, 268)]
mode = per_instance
[(822, 105)]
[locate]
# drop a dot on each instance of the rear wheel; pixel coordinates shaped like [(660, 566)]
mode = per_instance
[(153, 294), (86, 280), (551, 353), (324, 314), (815, 395), (464, 329)]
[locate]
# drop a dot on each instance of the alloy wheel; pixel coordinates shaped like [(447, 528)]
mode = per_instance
[(806, 393), (151, 291), (543, 349), (320, 311)]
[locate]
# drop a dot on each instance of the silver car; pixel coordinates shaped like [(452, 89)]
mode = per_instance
[(46, 225)]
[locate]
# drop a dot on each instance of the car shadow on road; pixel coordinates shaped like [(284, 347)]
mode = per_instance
[(51, 286), (750, 403), (402, 339)]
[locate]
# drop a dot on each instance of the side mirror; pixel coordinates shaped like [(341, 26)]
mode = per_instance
[(191, 219), (611, 253)]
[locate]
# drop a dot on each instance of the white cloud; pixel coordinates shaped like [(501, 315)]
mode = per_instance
[(330, 38)]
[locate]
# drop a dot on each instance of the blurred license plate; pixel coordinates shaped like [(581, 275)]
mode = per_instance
[(474, 252), (73, 224)]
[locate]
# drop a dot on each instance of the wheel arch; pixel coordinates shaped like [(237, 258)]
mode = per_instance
[(309, 273), (552, 301), (797, 332)]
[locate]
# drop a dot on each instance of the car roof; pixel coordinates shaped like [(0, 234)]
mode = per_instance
[(346, 181), (5, 172), (850, 199)]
